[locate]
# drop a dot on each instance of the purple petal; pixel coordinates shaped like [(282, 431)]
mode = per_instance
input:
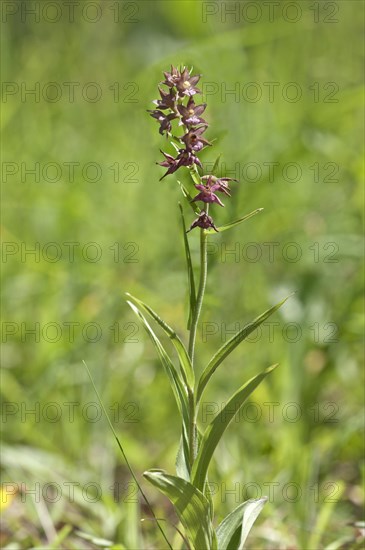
[(199, 109), (216, 200), (194, 79)]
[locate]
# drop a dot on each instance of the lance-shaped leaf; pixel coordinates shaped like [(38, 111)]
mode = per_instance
[(193, 205), (217, 427), (182, 462), (216, 165), (234, 529), (176, 384), (230, 345), (191, 281), (176, 143), (184, 359), (194, 174), (236, 222), (250, 513), (191, 506)]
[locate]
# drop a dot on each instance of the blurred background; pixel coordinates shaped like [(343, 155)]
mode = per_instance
[(85, 219)]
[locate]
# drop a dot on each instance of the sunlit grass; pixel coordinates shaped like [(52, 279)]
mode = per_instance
[(322, 207)]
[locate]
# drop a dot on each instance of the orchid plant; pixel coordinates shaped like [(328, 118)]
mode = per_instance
[(188, 488)]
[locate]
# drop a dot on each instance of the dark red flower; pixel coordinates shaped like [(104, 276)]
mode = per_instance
[(193, 139), (206, 195), (204, 221), (184, 158), (185, 84), (190, 115), (218, 184), (187, 158), (164, 120), (172, 78), (167, 101), (171, 163)]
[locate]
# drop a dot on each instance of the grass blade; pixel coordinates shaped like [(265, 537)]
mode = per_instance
[(191, 281), (219, 424), (229, 346), (61, 537), (97, 541), (185, 363), (191, 506), (130, 469), (323, 517)]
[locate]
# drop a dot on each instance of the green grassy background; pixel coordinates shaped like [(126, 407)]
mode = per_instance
[(320, 373)]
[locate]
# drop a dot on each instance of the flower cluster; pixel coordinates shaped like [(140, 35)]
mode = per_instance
[(181, 87)]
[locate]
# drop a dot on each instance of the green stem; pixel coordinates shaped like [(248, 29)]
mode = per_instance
[(193, 447), (192, 428), (200, 296)]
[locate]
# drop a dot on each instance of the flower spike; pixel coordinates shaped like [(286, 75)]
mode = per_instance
[(177, 102)]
